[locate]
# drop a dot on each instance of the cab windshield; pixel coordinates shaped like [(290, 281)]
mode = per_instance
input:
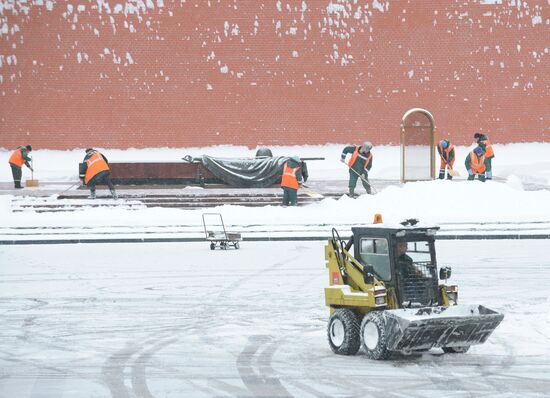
[(419, 252), (416, 273), (375, 252)]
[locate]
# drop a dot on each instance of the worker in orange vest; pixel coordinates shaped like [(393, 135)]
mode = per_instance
[(483, 141), (476, 164), (291, 180), (446, 152), (96, 171), (359, 165), (18, 158)]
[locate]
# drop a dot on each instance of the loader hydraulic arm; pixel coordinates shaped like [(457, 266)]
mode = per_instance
[(351, 270)]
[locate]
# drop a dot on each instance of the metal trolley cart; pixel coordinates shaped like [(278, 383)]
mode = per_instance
[(215, 232)]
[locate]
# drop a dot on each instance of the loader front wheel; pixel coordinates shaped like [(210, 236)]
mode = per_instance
[(212, 246), (455, 350), (373, 336), (343, 332)]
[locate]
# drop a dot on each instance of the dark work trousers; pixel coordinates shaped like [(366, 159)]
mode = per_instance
[(290, 196), (17, 172), (353, 177), (103, 177)]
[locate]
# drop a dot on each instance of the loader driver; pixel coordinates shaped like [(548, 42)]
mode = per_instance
[(405, 267)]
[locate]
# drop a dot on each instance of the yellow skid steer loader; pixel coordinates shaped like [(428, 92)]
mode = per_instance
[(387, 297)]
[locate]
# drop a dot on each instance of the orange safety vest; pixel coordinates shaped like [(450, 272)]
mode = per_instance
[(477, 164), (96, 164), (446, 152), (289, 179), (355, 155), (16, 157), (489, 153)]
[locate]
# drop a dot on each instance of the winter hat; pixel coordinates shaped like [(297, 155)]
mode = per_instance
[(296, 159), (366, 146), (29, 148), (444, 144), (88, 150)]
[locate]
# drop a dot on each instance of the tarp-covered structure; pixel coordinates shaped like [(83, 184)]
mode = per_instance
[(259, 172)]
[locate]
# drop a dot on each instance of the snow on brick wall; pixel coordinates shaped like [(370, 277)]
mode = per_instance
[(192, 73)]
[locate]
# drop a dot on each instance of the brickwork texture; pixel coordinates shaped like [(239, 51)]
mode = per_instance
[(158, 73)]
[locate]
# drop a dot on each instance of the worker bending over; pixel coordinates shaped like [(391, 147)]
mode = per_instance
[(446, 152), (18, 158), (291, 180), (359, 165), (476, 164), (96, 171)]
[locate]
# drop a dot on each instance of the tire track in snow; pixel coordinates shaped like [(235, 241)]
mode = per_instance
[(262, 383), (113, 369)]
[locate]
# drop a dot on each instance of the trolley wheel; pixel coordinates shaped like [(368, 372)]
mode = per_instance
[(212, 245), (237, 245), (223, 245)]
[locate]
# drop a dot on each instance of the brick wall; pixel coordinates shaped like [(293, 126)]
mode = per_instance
[(172, 73)]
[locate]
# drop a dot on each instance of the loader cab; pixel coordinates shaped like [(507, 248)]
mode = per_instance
[(403, 258)]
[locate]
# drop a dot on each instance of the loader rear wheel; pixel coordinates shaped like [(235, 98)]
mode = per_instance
[(343, 332), (212, 246), (455, 350), (373, 336)]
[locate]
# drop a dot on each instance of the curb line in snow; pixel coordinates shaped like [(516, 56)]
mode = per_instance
[(251, 239)]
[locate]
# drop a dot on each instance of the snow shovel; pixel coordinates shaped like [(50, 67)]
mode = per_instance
[(373, 189), (453, 172), (32, 182), (310, 192)]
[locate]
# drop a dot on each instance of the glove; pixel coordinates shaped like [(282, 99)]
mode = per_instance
[(470, 172)]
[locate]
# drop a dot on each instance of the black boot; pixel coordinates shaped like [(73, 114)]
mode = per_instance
[(449, 177), (351, 193), (441, 174)]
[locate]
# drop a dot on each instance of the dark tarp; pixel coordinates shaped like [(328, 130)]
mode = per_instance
[(247, 172)]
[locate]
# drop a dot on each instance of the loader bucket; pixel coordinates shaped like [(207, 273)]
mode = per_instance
[(427, 327)]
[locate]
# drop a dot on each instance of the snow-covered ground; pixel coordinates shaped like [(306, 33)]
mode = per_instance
[(179, 320), (459, 201)]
